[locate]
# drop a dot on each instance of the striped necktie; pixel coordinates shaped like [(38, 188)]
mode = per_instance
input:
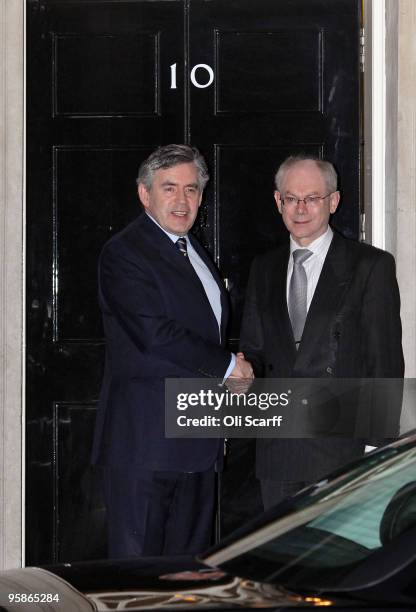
[(298, 290), (182, 246)]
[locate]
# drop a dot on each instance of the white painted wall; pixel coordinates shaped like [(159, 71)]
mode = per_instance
[(406, 177), (11, 278)]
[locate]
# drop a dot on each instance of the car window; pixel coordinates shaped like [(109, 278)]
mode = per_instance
[(325, 541), (358, 516)]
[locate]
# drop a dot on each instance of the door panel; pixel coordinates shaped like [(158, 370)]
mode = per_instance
[(91, 198), (107, 83), (283, 85), (265, 81), (85, 65), (286, 81), (99, 102), (76, 492)]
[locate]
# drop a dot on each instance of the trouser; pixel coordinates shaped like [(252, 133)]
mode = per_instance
[(158, 512)]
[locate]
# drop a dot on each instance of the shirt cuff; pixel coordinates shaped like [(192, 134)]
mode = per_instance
[(230, 367)]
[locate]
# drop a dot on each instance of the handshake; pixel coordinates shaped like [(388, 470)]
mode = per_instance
[(241, 376)]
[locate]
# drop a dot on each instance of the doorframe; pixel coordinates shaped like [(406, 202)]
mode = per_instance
[(374, 121), (381, 91), (12, 232), (12, 301)]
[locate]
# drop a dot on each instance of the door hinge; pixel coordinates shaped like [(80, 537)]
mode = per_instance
[(362, 227), (362, 49)]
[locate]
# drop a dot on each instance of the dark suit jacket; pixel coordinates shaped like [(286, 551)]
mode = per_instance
[(352, 330), (158, 324)]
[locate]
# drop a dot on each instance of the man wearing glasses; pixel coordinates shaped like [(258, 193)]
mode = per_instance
[(320, 307)]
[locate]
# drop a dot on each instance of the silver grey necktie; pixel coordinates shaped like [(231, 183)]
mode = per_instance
[(298, 288), (182, 246)]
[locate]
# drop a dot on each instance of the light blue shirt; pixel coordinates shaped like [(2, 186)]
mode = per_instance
[(208, 282)]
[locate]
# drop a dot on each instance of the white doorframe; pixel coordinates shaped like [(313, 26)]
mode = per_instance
[(380, 129), (375, 120), (11, 280)]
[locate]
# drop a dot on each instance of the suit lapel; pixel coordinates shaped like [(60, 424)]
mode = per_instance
[(279, 314), (167, 250), (332, 284)]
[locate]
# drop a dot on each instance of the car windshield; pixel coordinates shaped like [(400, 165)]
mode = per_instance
[(325, 540)]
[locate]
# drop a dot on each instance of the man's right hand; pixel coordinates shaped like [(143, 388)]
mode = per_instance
[(241, 376), (242, 368)]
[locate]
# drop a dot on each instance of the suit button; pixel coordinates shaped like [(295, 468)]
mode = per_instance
[(270, 366), (329, 370)]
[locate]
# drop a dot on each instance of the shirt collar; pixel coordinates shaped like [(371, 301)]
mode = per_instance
[(173, 237), (318, 245)]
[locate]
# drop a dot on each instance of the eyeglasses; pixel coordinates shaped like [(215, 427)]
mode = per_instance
[(310, 201)]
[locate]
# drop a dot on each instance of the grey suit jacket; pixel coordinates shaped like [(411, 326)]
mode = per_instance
[(352, 330)]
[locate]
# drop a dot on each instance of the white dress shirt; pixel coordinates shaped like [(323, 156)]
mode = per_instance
[(313, 265)]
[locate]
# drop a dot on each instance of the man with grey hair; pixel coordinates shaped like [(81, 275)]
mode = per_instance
[(321, 306), (165, 315)]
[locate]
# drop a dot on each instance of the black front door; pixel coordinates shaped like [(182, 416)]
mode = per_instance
[(248, 83)]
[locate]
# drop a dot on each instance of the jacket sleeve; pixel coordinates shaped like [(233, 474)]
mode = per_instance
[(252, 333), (383, 354), (381, 321)]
